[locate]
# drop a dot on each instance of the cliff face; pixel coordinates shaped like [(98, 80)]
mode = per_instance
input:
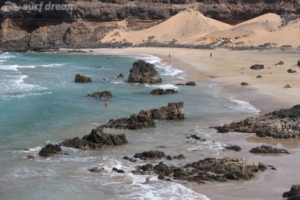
[(39, 24)]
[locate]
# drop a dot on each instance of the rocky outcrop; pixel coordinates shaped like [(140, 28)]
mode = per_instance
[(233, 147), (293, 194), (208, 169), (145, 119), (143, 72), (163, 92), (95, 140), (50, 150), (191, 83), (150, 155), (291, 71), (268, 150), (104, 94), (82, 79), (120, 76), (282, 123), (244, 84), (257, 67)]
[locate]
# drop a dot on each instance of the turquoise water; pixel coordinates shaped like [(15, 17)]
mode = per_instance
[(41, 103)]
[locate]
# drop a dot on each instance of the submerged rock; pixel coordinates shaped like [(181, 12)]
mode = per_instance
[(293, 194), (104, 94), (257, 67), (143, 72), (82, 79), (163, 92), (120, 76), (145, 119), (96, 169), (268, 150), (50, 150), (283, 123)]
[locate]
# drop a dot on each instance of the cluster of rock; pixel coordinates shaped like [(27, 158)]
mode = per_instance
[(268, 150), (94, 141), (191, 83), (145, 119), (163, 92), (104, 94), (208, 169), (257, 67), (82, 79), (293, 194), (143, 72), (283, 123)]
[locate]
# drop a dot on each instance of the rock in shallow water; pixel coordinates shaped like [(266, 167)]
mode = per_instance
[(268, 150), (82, 79), (145, 119), (163, 92), (143, 72), (283, 123), (104, 94), (293, 194), (50, 150)]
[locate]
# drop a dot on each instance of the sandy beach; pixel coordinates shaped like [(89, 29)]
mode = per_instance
[(233, 67)]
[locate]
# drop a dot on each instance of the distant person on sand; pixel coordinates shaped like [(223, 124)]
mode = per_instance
[(210, 54), (106, 103), (169, 55)]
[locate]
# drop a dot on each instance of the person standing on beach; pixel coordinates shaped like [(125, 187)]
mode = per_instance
[(169, 55), (106, 103), (210, 54)]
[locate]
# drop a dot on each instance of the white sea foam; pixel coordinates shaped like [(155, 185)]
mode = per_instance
[(244, 106), (164, 86)]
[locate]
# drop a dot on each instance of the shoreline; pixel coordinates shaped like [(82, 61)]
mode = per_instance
[(201, 67)]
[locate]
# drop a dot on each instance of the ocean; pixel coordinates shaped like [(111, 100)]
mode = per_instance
[(40, 103)]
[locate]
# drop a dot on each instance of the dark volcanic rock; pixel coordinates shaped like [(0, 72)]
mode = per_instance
[(104, 94), (280, 63), (143, 72), (244, 84), (179, 157), (162, 91), (293, 194), (150, 155), (268, 150), (120, 76), (118, 170), (282, 123), (234, 147), (82, 79), (291, 71), (50, 150), (145, 119), (191, 83), (287, 86), (95, 140), (257, 67), (209, 169), (195, 137), (96, 169)]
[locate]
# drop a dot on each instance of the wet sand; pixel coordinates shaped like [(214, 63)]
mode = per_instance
[(266, 94)]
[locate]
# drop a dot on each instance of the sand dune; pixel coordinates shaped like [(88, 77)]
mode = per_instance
[(192, 27), (185, 27)]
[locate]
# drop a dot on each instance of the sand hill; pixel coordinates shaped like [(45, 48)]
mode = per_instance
[(185, 27), (192, 27)]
